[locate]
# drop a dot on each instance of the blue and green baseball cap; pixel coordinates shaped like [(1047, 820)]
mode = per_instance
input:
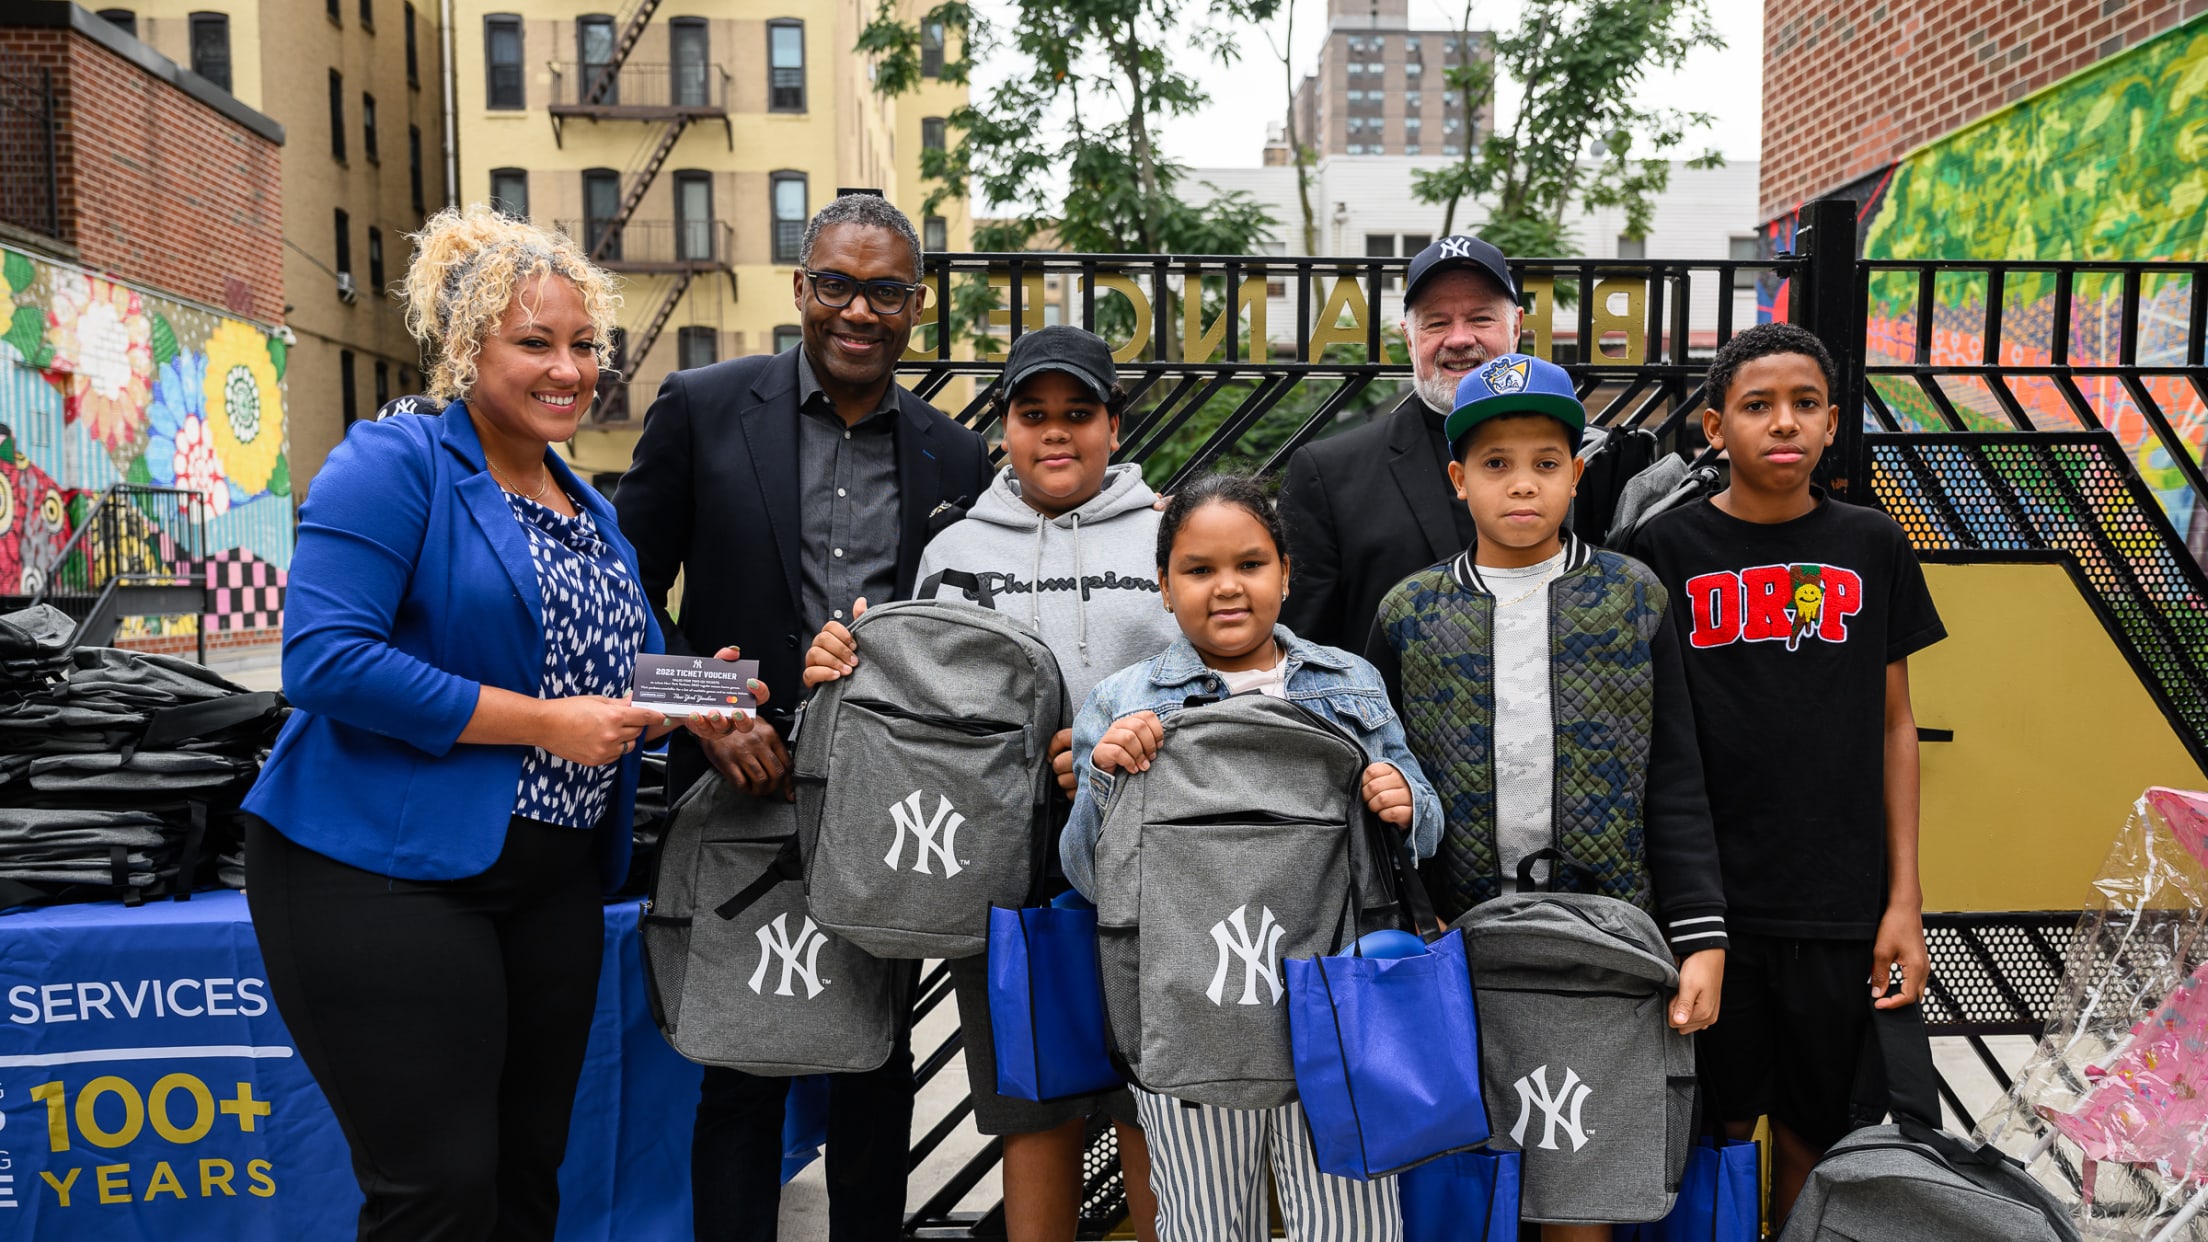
[(1514, 384)]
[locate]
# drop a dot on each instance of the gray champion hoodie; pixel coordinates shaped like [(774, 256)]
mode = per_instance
[(1099, 609)]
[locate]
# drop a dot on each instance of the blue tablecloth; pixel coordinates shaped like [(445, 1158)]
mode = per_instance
[(148, 1090)]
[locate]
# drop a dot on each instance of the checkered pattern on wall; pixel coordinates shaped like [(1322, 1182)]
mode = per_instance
[(245, 592)]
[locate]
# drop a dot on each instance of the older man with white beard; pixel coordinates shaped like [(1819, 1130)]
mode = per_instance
[(1369, 507)]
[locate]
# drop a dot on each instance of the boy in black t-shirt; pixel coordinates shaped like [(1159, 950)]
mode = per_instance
[(1800, 617)]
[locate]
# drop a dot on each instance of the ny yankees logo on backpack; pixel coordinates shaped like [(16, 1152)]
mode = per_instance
[(923, 778), (1533, 1093), (1260, 957), (740, 974), (1252, 805), (775, 944), (906, 812)]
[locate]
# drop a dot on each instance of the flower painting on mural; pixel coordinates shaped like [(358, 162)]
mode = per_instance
[(103, 383)]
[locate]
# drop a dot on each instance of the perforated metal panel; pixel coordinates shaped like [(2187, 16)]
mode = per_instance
[(2073, 495), (1994, 974)]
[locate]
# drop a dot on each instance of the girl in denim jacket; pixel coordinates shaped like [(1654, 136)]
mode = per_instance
[(1223, 570)]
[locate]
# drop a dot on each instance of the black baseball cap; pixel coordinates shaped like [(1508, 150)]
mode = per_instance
[(1449, 253), (1062, 347)]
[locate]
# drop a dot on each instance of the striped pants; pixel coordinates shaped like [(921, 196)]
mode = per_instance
[(1207, 1165)]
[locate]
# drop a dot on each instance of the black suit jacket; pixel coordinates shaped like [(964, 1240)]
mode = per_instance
[(1364, 510), (713, 494)]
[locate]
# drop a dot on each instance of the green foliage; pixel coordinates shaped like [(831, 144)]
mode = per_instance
[(895, 45), (1096, 80), (1580, 64), (1266, 436)]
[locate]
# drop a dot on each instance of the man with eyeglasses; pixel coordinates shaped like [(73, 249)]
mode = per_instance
[(782, 489)]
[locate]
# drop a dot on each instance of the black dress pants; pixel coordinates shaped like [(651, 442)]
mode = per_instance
[(444, 1021), (736, 1152)]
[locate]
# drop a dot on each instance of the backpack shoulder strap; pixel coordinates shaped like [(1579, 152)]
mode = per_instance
[(786, 866)]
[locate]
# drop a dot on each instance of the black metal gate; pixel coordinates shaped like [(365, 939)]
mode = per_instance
[(1990, 431)]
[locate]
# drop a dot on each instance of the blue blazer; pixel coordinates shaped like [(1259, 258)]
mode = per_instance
[(410, 589)]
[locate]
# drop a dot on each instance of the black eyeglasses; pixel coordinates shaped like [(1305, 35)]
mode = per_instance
[(835, 291)]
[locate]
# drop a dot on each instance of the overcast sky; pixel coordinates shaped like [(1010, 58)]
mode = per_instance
[(1244, 98)]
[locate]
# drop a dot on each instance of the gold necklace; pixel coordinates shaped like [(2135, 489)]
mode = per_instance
[(509, 485)]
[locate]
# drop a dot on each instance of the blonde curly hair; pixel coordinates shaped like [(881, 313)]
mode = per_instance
[(469, 265)]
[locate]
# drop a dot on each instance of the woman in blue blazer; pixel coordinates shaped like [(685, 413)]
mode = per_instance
[(453, 793)]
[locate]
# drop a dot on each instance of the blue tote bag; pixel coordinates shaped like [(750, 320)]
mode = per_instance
[(1468, 1196), (1720, 1199), (1386, 1049), (1046, 1004)]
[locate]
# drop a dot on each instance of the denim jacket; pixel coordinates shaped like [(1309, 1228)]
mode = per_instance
[(1332, 682)]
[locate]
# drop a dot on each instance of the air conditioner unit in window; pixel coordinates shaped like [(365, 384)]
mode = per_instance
[(346, 292)]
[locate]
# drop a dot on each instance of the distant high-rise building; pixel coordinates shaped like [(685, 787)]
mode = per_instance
[(1381, 87)]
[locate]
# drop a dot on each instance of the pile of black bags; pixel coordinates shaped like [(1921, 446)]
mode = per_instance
[(120, 771)]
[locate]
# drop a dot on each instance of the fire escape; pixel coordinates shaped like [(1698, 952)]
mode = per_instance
[(604, 85)]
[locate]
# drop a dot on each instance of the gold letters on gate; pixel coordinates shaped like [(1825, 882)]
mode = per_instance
[(1617, 316)]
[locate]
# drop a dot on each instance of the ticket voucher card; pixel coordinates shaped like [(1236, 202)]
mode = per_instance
[(679, 685)]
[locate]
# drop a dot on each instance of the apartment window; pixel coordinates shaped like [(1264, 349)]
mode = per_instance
[(502, 57), (693, 217), (931, 49), (601, 212), (211, 47), (337, 114), (1356, 96), (368, 126), (1452, 101), (1410, 44), (1744, 248), (695, 347), (932, 132), (786, 66), (689, 53), (1354, 148), (1415, 242), (1412, 68), (1410, 99), (368, 14), (594, 43), (1356, 124), (789, 216), (375, 264), (414, 166), (1356, 43), (1630, 247), (348, 398), (1379, 245), (122, 19), (1410, 148), (1377, 44), (383, 383), (510, 192), (1450, 148), (344, 242), (786, 337), (1449, 124), (1356, 67), (413, 50), (935, 234), (331, 8), (1412, 123)]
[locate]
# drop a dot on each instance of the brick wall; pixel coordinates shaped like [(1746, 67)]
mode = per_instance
[(1850, 86), (157, 186)]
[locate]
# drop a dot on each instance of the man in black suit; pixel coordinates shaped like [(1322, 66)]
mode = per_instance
[(783, 489), (1368, 508)]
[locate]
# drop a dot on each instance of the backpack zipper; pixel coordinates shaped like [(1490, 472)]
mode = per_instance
[(956, 724)]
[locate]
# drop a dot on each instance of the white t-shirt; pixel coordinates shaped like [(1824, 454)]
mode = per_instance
[(1525, 724), (1272, 681)]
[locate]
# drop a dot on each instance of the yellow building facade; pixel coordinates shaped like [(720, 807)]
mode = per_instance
[(686, 144)]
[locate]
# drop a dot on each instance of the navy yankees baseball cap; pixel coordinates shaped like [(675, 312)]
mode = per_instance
[(1453, 252), (1514, 384), (1062, 347)]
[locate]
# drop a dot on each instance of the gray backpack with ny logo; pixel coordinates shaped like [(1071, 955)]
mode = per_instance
[(923, 778), (739, 973), (1238, 848), (1580, 1068)]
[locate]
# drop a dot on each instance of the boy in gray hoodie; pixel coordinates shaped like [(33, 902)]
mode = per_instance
[(1066, 542)]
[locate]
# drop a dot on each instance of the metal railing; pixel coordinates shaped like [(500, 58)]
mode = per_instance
[(637, 88), (136, 543), (658, 245), (30, 186)]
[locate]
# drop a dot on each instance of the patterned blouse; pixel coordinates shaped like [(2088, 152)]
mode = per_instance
[(593, 628)]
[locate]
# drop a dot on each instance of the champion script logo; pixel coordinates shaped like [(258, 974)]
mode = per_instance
[(775, 942), (1260, 956), (909, 823), (1533, 1092)]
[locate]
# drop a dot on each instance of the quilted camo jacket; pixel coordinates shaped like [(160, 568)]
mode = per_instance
[(1629, 799)]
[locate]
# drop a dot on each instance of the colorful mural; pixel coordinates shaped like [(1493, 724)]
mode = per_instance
[(2111, 164), (104, 383)]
